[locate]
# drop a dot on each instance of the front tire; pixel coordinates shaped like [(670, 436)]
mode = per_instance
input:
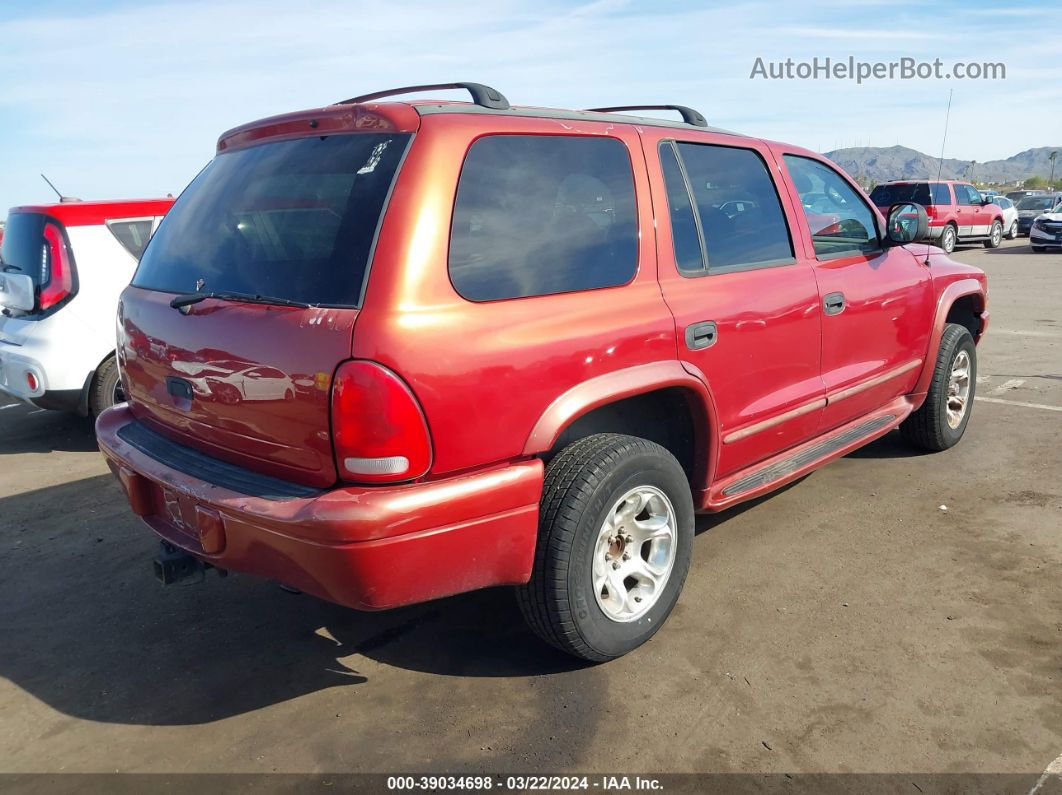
[(106, 389), (948, 238), (941, 420), (1037, 249), (995, 235), (614, 544)]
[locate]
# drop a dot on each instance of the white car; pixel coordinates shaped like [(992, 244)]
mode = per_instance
[(62, 268), (1046, 231), (1010, 215)]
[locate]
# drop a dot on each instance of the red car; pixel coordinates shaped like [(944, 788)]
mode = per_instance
[(515, 346), (958, 213)]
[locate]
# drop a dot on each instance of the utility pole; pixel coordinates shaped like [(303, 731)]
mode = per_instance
[(1052, 157)]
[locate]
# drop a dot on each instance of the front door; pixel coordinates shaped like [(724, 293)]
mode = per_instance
[(745, 306), (877, 301)]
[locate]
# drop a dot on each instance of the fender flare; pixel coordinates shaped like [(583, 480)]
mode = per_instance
[(600, 390), (948, 297)]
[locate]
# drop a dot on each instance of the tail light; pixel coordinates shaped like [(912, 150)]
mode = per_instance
[(378, 429), (57, 270)]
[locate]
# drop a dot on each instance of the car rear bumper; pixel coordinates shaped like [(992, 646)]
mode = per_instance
[(368, 548), (53, 351)]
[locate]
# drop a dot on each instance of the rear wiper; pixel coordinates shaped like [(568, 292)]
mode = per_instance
[(224, 295)]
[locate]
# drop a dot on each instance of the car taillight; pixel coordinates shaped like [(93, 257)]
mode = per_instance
[(57, 271), (378, 430)]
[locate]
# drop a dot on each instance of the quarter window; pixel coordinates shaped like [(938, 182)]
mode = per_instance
[(133, 235), (537, 215), (736, 210), (840, 221)]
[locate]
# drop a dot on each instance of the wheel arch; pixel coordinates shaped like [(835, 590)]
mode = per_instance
[(661, 401), (962, 302)]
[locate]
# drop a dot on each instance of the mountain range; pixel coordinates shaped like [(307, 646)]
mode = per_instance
[(875, 164)]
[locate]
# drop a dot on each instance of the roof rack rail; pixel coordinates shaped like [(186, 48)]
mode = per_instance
[(482, 95), (689, 115)]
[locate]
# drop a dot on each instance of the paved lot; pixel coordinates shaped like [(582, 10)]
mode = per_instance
[(848, 623)]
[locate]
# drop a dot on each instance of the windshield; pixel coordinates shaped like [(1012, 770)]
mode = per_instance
[(887, 195), (290, 219), (1037, 203)]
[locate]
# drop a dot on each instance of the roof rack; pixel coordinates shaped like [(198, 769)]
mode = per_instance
[(482, 95), (689, 115)]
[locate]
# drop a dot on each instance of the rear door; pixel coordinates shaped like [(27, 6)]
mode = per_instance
[(286, 221), (746, 308), (975, 218), (877, 301)]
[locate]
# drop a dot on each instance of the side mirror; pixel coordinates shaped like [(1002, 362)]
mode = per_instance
[(986, 200), (907, 223), (17, 291)]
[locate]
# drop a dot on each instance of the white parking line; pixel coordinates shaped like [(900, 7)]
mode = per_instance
[(1013, 383), (1053, 769), (1024, 333), (1019, 403)]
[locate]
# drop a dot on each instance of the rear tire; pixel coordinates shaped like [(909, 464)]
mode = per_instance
[(1013, 233), (106, 389), (941, 420), (995, 235), (614, 543), (948, 238)]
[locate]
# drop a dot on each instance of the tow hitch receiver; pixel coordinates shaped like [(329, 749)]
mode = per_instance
[(173, 565)]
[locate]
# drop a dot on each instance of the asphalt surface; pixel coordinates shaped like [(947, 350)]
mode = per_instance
[(847, 623)]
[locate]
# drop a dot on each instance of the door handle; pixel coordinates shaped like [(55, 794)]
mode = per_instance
[(833, 304), (701, 335)]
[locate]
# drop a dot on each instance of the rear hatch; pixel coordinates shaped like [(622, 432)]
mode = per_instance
[(36, 245), (267, 249)]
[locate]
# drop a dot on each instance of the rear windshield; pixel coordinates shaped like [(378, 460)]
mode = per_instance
[(289, 219), (23, 249), (888, 195)]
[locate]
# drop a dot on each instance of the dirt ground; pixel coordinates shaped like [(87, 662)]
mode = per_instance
[(847, 623)]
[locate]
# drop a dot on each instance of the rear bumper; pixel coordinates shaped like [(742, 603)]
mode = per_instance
[(368, 548), (56, 352)]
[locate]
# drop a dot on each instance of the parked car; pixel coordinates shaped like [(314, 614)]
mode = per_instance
[(958, 213), (1017, 195), (1010, 215), (1032, 207), (538, 346), (63, 267), (1046, 230)]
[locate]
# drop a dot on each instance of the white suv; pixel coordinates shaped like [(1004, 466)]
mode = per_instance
[(62, 268)]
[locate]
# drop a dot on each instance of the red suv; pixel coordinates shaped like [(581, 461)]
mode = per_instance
[(958, 213), (384, 352)]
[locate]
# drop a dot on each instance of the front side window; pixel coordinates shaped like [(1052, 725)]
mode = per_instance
[(840, 221), (543, 214), (285, 219), (968, 196), (738, 213)]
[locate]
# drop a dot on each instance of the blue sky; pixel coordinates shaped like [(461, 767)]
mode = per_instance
[(124, 98)]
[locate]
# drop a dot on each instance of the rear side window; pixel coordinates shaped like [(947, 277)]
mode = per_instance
[(941, 193), (537, 215), (133, 235), (841, 222), (738, 213), (288, 219)]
